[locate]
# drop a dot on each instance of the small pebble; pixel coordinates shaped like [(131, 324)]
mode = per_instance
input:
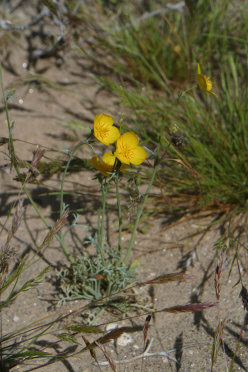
[(124, 339), (111, 326), (16, 318)]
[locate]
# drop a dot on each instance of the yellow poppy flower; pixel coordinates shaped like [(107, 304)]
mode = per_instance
[(104, 130), (204, 83), (128, 151), (106, 165)]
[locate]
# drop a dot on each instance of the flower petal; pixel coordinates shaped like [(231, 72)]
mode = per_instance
[(97, 164), (139, 156), (108, 158), (199, 69), (112, 136), (209, 84), (213, 94), (128, 138), (106, 166), (121, 156), (201, 82), (104, 120)]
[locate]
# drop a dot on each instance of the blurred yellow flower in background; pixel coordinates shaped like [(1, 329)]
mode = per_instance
[(128, 151), (204, 83), (104, 130), (105, 167)]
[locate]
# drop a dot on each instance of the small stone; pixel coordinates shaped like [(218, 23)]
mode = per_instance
[(124, 339), (111, 326), (16, 318)]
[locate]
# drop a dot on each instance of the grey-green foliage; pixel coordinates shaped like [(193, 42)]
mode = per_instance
[(88, 278)]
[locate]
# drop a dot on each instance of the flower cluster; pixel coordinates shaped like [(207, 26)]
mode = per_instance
[(126, 151)]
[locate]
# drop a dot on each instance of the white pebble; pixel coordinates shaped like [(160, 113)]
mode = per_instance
[(16, 318), (111, 326), (124, 339)]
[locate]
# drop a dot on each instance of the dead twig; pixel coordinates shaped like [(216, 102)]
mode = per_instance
[(145, 354)]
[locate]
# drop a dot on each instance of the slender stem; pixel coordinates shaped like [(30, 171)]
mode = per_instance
[(99, 226), (119, 217), (104, 196), (100, 219), (140, 210)]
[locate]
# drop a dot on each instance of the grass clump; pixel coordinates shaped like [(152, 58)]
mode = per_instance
[(213, 131), (17, 346)]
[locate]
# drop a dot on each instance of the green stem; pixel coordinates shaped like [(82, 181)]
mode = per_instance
[(119, 218), (140, 210), (104, 196), (99, 227)]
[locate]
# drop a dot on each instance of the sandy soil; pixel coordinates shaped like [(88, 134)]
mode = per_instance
[(164, 249)]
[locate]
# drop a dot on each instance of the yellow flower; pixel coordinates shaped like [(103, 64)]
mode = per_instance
[(204, 83), (104, 130), (128, 151), (106, 166)]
